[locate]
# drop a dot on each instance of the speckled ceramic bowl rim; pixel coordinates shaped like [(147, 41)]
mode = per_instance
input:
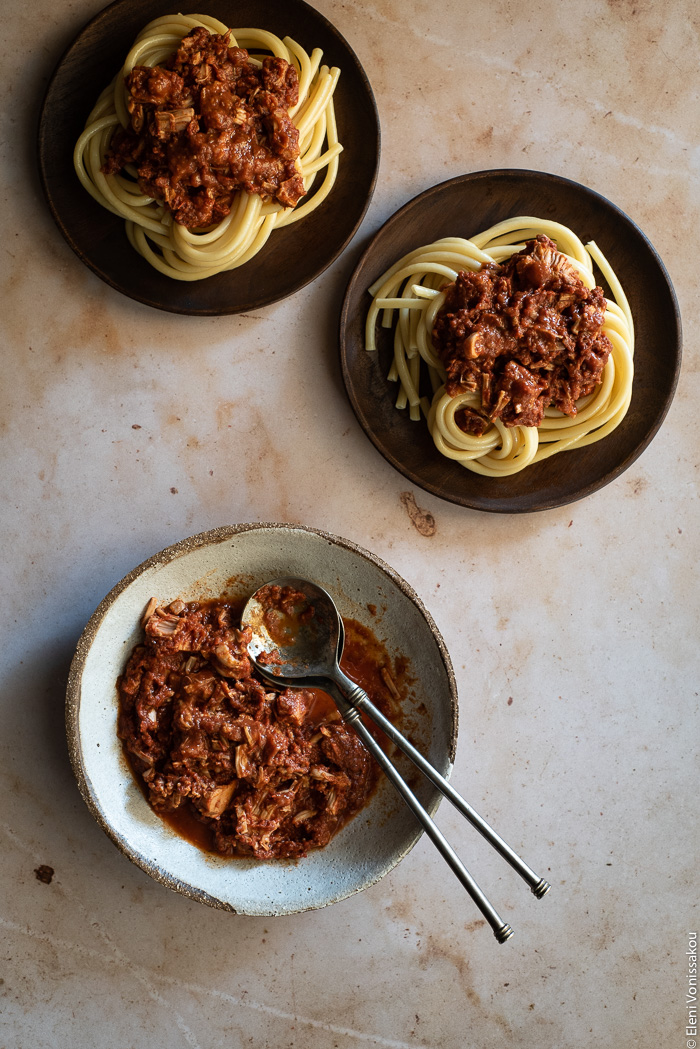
[(73, 700)]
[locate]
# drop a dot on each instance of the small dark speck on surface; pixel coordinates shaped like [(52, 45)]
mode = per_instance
[(44, 873), (135, 426), (510, 701), (174, 491)]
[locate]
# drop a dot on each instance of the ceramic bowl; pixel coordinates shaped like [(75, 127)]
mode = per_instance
[(239, 559)]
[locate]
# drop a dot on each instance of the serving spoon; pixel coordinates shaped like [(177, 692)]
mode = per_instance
[(309, 655)]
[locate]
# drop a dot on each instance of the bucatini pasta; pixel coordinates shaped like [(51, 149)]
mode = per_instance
[(543, 307), (175, 247)]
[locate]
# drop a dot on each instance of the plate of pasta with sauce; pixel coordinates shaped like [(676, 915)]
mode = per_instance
[(210, 162), (510, 341)]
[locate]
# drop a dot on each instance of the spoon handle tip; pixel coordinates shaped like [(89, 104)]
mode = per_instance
[(504, 933), (541, 889)]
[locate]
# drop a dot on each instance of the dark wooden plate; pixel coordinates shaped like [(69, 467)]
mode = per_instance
[(293, 256), (463, 207)]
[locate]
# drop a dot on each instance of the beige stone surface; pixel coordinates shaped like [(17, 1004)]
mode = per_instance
[(574, 632)]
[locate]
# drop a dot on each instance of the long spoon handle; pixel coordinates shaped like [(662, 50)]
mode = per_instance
[(501, 930), (358, 698)]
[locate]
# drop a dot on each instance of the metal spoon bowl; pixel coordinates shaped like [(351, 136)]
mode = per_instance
[(312, 651)]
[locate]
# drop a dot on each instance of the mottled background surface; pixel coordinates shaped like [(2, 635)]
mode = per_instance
[(573, 632)]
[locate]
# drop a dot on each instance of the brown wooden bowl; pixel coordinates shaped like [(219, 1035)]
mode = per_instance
[(462, 207), (294, 255)]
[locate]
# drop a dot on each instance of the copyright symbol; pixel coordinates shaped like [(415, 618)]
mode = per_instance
[(691, 1044)]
